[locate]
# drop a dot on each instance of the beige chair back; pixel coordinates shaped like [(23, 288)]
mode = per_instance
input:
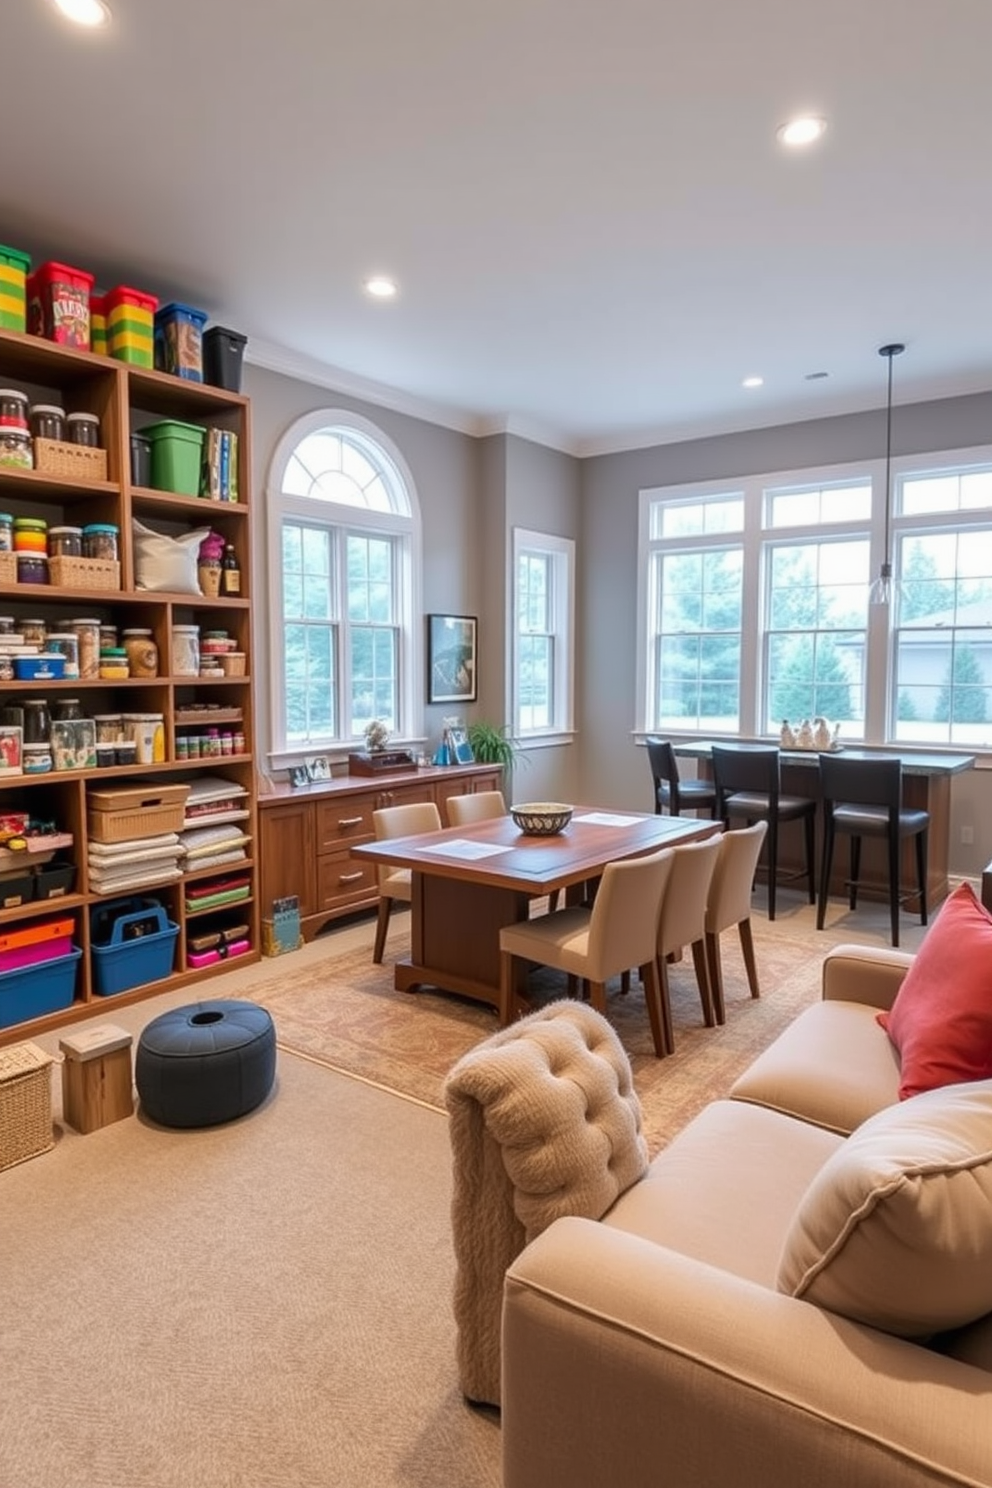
[(475, 806), (733, 877), (623, 926), (683, 907), (402, 821)]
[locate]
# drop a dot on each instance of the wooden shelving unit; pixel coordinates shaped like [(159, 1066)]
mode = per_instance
[(127, 398)]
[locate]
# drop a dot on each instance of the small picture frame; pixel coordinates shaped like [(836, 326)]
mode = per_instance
[(452, 669), (318, 767), (459, 747), (298, 776)]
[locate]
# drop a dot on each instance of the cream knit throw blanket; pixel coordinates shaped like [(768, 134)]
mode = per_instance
[(544, 1123)]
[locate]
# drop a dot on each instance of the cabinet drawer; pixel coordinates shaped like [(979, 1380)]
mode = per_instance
[(342, 879), (346, 820)]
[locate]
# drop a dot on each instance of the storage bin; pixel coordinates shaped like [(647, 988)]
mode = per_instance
[(17, 889), (33, 991), (131, 325), (40, 668), (177, 454), (115, 815), (230, 950), (141, 460), (179, 341), (14, 267), (25, 1104), (98, 325), (54, 881), (43, 940), (223, 354), (132, 942), (59, 304)]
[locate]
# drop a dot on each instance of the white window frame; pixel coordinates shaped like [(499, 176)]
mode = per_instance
[(344, 518), (561, 553)]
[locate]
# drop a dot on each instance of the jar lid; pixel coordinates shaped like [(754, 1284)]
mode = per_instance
[(137, 632), (83, 418), (14, 393), (6, 517), (87, 620), (61, 635), (187, 629), (112, 651), (99, 526), (48, 408), (63, 530), (31, 524), (33, 558), (37, 748)]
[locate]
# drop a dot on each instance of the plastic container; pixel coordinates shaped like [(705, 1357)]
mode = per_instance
[(54, 880), (223, 355), (65, 643), (131, 325), (14, 269), (133, 942), (179, 341), (142, 653), (88, 635), (185, 650), (36, 990), (6, 534), (98, 325), (30, 535), (32, 568), (141, 460), (15, 448), (13, 408), (100, 540), (47, 421), (84, 429), (177, 454), (65, 542), (59, 304)]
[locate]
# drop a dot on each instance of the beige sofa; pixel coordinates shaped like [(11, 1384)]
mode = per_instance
[(656, 1346)]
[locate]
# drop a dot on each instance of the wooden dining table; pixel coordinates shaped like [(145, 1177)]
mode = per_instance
[(470, 881)]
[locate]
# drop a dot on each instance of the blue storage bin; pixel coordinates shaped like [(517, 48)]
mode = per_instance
[(179, 340), (140, 947), (32, 991)]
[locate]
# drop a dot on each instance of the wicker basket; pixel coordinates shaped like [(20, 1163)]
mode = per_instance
[(119, 813), (25, 1104), (84, 573), (232, 663), (76, 461), (8, 568)]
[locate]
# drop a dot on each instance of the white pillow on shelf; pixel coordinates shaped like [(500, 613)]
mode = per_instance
[(165, 563)]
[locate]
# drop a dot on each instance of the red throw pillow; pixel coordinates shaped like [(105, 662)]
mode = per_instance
[(941, 1019)]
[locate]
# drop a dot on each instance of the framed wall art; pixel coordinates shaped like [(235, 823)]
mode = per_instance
[(452, 658)]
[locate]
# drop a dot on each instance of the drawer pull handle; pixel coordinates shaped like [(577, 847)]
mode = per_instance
[(349, 821), (350, 877)]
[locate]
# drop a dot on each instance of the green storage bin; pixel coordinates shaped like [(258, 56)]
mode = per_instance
[(177, 455), (14, 268)]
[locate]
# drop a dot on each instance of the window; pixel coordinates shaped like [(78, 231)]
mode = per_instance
[(345, 532), (755, 605), (543, 647)]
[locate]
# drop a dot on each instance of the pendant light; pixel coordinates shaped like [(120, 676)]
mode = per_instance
[(881, 590)]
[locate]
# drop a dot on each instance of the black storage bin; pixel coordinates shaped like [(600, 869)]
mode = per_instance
[(141, 460), (53, 880), (223, 353), (16, 890)]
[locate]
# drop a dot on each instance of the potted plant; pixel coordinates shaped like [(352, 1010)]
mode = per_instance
[(493, 745)]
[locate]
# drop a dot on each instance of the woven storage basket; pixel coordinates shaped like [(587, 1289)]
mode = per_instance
[(25, 1104), (84, 573), (8, 568), (232, 663), (77, 461)]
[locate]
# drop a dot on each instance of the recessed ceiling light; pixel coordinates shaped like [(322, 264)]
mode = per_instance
[(380, 287), (84, 12), (753, 382), (801, 131)]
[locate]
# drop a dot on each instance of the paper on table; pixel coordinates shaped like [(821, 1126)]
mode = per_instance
[(461, 847), (605, 819)]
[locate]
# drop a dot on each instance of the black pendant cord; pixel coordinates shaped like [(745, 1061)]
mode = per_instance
[(892, 350)]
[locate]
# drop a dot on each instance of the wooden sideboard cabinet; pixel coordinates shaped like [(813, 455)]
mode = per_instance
[(307, 835)]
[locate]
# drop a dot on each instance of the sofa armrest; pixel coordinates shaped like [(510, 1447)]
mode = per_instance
[(625, 1362), (869, 974)]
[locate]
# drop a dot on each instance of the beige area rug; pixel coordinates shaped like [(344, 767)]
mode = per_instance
[(344, 1012), (265, 1304)]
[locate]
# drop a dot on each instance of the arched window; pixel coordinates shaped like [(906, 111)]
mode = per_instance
[(344, 565)]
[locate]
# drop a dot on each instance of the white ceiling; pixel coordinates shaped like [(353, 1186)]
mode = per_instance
[(595, 231)]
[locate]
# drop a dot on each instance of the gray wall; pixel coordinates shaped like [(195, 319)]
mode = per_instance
[(613, 769)]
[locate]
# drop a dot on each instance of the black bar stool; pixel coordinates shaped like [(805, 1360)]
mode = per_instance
[(748, 785), (863, 797), (672, 793)]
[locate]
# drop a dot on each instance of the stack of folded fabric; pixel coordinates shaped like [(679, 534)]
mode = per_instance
[(209, 847), (119, 867), (213, 799)]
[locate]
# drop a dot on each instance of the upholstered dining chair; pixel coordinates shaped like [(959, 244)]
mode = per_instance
[(474, 806), (729, 904), (682, 922), (671, 792), (594, 944), (396, 883), (863, 798), (748, 785)]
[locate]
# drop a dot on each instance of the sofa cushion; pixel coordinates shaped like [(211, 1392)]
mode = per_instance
[(896, 1228), (941, 1019)]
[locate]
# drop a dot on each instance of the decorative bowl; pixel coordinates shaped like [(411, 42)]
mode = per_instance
[(541, 818)]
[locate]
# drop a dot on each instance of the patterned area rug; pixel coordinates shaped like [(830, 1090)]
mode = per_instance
[(345, 1013)]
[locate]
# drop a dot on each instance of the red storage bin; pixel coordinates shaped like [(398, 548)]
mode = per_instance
[(59, 304)]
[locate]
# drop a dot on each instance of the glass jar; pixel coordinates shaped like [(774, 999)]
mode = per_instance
[(13, 409), (185, 650), (108, 635), (30, 535), (83, 428), (15, 448), (113, 664), (88, 635), (100, 540), (65, 542), (108, 728), (37, 759), (32, 632), (65, 643), (142, 653), (32, 568), (66, 710), (47, 421), (6, 532), (37, 721)]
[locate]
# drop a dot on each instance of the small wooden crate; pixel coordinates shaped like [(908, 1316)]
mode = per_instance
[(96, 1077), (84, 573), (116, 815), (8, 568), (232, 663), (25, 1104), (76, 461)]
